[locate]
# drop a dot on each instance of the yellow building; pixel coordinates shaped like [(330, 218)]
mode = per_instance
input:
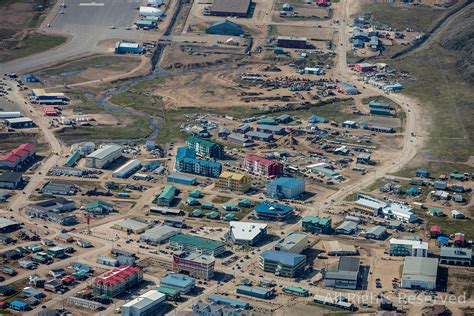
[(233, 181)]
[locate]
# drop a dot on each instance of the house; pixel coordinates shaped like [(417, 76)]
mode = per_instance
[(53, 285), (457, 214), (167, 195)]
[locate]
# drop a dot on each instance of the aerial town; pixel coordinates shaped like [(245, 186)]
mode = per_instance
[(236, 157)]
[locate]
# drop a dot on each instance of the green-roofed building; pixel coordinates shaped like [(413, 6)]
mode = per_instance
[(166, 196), (99, 207), (34, 247), (213, 215), (205, 148), (457, 176), (436, 212), (190, 243), (192, 201), (245, 203), (316, 224), (229, 217), (207, 206), (195, 194), (171, 294), (72, 159), (230, 207), (196, 213), (296, 290)]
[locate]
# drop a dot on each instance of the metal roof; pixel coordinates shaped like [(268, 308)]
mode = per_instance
[(131, 224), (105, 151), (420, 268), (287, 182), (178, 280), (5, 222), (376, 230), (231, 6), (347, 226), (159, 233), (316, 220), (199, 242), (10, 177), (284, 258), (456, 252), (289, 241)]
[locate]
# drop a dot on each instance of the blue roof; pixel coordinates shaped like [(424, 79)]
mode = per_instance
[(443, 240), (346, 85), (285, 258), (189, 155), (287, 182), (269, 207), (18, 304), (178, 280), (317, 119), (228, 301)]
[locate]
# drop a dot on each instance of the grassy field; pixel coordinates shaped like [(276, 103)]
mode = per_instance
[(448, 100), (33, 44), (419, 18)]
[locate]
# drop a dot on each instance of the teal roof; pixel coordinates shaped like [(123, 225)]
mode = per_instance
[(213, 214), (72, 159), (199, 242), (316, 220), (195, 193), (96, 204), (168, 193)]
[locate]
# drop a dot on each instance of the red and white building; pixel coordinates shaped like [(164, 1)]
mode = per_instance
[(363, 67), (194, 264), (262, 166), (114, 282), (14, 159)]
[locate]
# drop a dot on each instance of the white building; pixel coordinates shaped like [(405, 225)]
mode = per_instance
[(247, 233), (159, 234), (127, 169), (146, 304), (294, 242), (408, 247), (419, 273), (399, 212), (103, 156), (150, 12)]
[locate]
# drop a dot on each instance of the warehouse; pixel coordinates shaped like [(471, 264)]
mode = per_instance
[(271, 129), (59, 187), (40, 96), (72, 159), (8, 226), (456, 256), (316, 224), (127, 169), (20, 122), (186, 161), (336, 248), (240, 140), (181, 179), (382, 112), (10, 115), (379, 105), (180, 282), (376, 232), (225, 27), (195, 265), (285, 188), (247, 233), (159, 234), (233, 181), (261, 136), (191, 243), (294, 242), (295, 290), (346, 228), (272, 211), (125, 47), (130, 226), (314, 71), (205, 148), (419, 273), (11, 180), (150, 12), (284, 264), (104, 156), (166, 211), (222, 300), (346, 88), (346, 276), (146, 304), (238, 8), (291, 42), (58, 205), (257, 291), (167, 196)]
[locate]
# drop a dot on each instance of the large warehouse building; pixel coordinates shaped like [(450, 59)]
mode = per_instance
[(202, 245), (103, 156), (238, 8), (419, 273), (285, 188), (225, 27), (346, 276), (127, 169), (146, 304)]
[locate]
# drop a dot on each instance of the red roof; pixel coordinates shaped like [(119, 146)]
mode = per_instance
[(435, 229), (117, 275), (259, 159), (28, 147), (20, 152), (10, 157)]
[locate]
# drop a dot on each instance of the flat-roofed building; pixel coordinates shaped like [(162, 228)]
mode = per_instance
[(131, 226), (180, 282), (336, 248), (456, 256), (285, 188), (103, 156), (282, 263), (291, 42), (11, 180), (233, 181), (146, 304), (346, 276), (419, 273), (159, 234), (294, 242), (408, 247), (238, 8), (247, 233), (194, 264)]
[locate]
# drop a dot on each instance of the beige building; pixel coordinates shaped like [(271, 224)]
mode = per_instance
[(233, 181)]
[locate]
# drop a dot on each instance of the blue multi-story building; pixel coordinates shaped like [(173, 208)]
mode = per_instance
[(285, 188), (186, 161)]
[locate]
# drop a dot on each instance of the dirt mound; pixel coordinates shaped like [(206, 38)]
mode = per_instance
[(459, 36)]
